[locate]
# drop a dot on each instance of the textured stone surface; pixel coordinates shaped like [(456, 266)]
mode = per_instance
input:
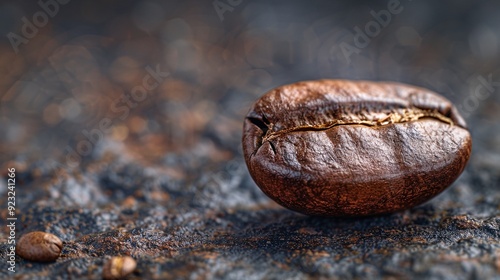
[(167, 184), (222, 226)]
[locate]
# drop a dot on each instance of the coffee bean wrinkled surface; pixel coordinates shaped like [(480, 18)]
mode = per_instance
[(39, 246), (354, 148)]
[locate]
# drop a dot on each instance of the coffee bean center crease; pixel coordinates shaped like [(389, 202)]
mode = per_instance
[(372, 119)]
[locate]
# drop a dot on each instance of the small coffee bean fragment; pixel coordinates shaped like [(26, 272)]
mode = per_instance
[(39, 246), (118, 267), (354, 148)]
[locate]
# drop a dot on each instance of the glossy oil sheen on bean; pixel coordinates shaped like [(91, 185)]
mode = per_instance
[(353, 148)]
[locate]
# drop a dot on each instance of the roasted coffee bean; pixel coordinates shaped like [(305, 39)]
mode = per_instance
[(39, 247), (353, 148), (118, 267)]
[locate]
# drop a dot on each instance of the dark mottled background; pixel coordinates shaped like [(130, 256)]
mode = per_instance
[(123, 121)]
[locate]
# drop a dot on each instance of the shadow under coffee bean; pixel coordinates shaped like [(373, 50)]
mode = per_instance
[(353, 148)]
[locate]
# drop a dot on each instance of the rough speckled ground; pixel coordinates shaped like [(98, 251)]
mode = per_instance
[(219, 225), (168, 185)]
